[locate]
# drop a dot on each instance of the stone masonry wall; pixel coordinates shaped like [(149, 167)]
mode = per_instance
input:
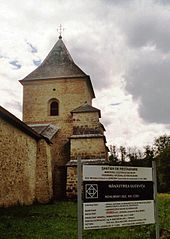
[(86, 123), (61, 154), (72, 182), (43, 173), (88, 148), (90, 119), (17, 166), (25, 167), (88, 142), (71, 93)]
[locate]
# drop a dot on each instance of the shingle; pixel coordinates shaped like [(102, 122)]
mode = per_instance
[(58, 63), (86, 108), (47, 130)]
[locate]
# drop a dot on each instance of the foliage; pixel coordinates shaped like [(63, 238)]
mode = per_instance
[(160, 152), (162, 157), (164, 210)]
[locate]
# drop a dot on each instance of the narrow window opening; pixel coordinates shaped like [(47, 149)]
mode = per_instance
[(54, 108)]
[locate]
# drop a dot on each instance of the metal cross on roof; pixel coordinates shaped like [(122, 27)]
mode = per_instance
[(60, 29)]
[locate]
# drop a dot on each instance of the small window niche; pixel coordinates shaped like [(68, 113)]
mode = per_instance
[(53, 107)]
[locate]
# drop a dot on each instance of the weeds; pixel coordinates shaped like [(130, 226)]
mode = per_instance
[(60, 221)]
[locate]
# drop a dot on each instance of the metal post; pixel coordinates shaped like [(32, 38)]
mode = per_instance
[(155, 200), (79, 197)]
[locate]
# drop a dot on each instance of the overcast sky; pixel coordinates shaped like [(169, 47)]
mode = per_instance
[(124, 45)]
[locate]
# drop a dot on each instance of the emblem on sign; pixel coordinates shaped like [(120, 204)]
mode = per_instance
[(91, 191)]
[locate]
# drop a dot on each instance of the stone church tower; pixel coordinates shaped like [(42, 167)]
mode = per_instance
[(57, 97)]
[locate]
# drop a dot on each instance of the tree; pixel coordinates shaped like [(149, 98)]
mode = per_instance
[(122, 153), (162, 157), (133, 154), (113, 158), (160, 152)]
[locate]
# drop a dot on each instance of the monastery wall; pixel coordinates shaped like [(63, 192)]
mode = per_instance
[(17, 166), (43, 190), (20, 169)]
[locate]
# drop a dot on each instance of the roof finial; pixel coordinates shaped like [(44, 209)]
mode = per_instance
[(60, 29)]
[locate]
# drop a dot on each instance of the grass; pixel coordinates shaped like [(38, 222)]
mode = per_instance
[(164, 210), (59, 221)]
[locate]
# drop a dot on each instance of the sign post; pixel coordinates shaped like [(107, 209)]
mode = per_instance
[(79, 197), (155, 199)]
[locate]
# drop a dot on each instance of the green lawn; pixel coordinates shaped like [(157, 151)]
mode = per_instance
[(59, 220)]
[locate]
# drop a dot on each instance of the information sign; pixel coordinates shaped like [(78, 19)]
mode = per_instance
[(116, 196), (118, 214), (105, 191), (113, 173)]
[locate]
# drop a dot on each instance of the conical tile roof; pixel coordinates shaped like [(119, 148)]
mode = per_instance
[(57, 64)]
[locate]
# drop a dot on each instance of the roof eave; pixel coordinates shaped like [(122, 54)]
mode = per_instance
[(21, 125), (90, 86)]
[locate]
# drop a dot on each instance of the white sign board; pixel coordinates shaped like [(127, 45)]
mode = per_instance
[(116, 196), (120, 173), (118, 214)]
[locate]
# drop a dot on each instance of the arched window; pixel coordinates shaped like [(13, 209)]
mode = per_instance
[(54, 108)]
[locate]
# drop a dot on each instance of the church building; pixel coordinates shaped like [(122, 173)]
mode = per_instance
[(57, 108)]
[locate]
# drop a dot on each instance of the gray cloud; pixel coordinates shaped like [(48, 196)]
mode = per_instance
[(93, 60), (166, 2), (149, 30), (148, 81), (107, 39), (147, 35), (119, 2)]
